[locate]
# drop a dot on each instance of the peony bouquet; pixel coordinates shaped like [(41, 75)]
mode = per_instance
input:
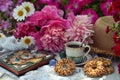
[(51, 23), (54, 30)]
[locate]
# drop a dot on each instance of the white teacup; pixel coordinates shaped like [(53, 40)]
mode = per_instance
[(76, 51)]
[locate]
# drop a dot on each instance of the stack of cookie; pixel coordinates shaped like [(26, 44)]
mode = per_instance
[(98, 67)]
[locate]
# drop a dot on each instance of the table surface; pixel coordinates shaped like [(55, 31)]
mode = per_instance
[(113, 76)]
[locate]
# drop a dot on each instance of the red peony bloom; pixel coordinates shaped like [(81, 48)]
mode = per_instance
[(119, 68), (24, 29), (116, 50)]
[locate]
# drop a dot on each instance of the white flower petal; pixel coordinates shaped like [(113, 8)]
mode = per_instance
[(19, 13), (29, 7), (28, 43)]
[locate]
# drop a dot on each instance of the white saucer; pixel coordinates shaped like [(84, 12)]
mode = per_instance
[(86, 58)]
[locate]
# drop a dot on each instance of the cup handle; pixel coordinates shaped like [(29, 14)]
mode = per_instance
[(86, 53)]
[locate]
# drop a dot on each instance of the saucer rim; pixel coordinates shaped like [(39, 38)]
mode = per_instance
[(88, 58)]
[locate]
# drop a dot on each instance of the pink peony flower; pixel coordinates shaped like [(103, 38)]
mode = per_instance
[(45, 15), (37, 40), (91, 13), (78, 33), (52, 12), (52, 36), (24, 29), (82, 20), (81, 27), (37, 19)]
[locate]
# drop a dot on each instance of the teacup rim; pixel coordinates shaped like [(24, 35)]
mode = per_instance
[(66, 44), (72, 41)]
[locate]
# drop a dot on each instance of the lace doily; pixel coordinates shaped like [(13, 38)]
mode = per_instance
[(47, 73)]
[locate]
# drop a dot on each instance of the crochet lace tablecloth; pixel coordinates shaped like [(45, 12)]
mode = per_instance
[(47, 73)]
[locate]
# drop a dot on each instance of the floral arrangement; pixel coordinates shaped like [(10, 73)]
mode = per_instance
[(54, 29), (51, 22)]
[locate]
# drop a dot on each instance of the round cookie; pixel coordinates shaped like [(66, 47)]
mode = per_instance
[(106, 61), (98, 67), (65, 67), (108, 70), (94, 68)]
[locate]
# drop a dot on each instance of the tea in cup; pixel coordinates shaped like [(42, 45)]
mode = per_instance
[(76, 51)]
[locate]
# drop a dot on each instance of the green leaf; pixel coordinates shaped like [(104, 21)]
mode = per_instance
[(113, 24), (119, 34), (118, 27), (95, 6), (34, 1), (64, 2)]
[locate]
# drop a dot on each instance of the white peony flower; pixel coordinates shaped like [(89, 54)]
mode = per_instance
[(29, 7)]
